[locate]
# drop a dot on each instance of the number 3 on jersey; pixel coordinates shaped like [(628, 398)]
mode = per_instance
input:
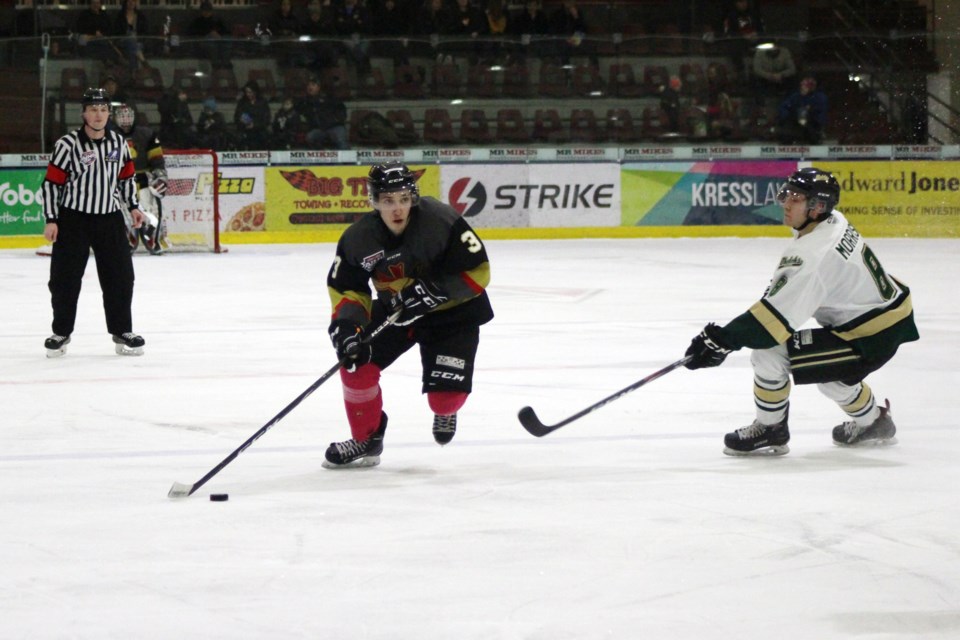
[(470, 239)]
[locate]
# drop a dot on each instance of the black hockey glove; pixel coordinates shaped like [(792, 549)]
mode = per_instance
[(416, 299), (347, 338), (708, 349)]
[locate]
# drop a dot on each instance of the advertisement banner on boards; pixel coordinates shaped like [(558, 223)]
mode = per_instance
[(916, 198), (188, 205), (703, 193), (301, 197), (535, 195), (21, 202)]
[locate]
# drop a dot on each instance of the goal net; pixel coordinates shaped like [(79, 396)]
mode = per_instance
[(191, 206)]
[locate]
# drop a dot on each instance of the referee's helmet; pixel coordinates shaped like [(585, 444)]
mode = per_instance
[(94, 95)]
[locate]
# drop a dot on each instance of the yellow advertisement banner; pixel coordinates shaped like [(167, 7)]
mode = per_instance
[(913, 198), (300, 198)]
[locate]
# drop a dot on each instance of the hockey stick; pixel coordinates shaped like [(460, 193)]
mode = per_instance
[(530, 421), (180, 490)]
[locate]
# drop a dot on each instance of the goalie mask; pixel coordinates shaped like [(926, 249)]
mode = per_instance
[(819, 187), (124, 117), (389, 177)]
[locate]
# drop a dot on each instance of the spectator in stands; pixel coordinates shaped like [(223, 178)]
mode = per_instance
[(571, 30), (252, 118), (285, 30), (802, 117), (532, 27), (722, 116), (93, 31), (321, 28), (324, 116), (773, 72), (390, 23), (433, 22), (353, 24), (212, 36), (115, 93), (176, 121), (284, 23), (287, 125), (742, 27), (468, 26), (498, 26), (130, 24), (212, 127), (670, 102)]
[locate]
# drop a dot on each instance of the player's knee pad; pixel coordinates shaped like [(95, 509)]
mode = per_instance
[(445, 403)]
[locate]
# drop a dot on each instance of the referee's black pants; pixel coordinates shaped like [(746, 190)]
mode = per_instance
[(77, 233)]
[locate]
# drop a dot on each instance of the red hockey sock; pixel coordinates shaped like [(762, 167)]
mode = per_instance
[(446, 403), (362, 399)]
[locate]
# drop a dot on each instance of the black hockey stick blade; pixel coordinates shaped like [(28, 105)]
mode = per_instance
[(181, 490), (530, 421)]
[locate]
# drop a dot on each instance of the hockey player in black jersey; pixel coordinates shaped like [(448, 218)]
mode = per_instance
[(426, 263), (828, 274)]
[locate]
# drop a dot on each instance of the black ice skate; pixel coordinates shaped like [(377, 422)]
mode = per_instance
[(880, 432), (56, 346), (352, 453), (129, 344), (444, 428), (758, 440)]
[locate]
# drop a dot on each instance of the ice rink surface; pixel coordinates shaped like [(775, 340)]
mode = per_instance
[(629, 523)]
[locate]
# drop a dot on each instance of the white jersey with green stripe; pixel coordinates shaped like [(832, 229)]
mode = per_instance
[(832, 276)]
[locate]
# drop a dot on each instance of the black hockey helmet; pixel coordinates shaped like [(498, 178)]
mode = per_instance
[(818, 187), (388, 177), (94, 95)]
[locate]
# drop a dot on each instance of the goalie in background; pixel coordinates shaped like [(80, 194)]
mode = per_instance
[(426, 264), (827, 273), (151, 178)]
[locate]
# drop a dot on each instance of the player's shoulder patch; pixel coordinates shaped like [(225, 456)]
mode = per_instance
[(776, 286), (369, 262)]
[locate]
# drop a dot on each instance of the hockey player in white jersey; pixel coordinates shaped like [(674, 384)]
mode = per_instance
[(827, 273)]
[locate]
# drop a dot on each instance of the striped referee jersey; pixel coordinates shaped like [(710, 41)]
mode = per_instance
[(89, 176)]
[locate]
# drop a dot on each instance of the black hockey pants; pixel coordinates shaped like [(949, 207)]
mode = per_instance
[(106, 235)]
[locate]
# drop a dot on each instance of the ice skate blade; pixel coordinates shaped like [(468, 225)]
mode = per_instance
[(369, 461), (56, 353), (874, 442), (763, 452), (123, 350)]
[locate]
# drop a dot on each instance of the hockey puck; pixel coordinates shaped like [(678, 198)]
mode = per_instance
[(219, 497)]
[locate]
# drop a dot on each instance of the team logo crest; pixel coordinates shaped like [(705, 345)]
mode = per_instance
[(113, 156), (371, 261), (87, 158)]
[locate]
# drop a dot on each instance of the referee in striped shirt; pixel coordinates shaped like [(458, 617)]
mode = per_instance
[(89, 176)]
